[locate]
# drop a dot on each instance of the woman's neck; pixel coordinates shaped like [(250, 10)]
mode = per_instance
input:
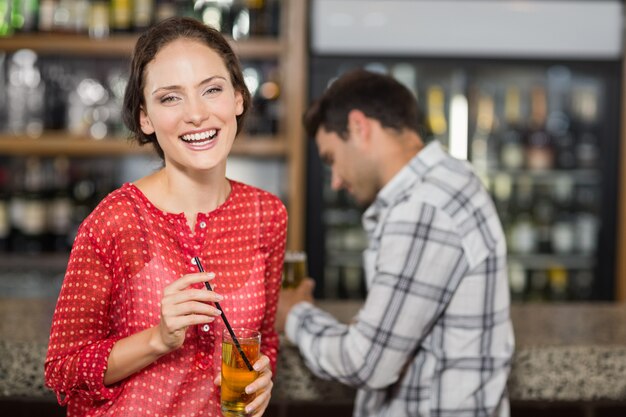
[(177, 192)]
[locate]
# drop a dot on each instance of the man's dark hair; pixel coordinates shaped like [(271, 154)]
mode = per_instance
[(378, 96)]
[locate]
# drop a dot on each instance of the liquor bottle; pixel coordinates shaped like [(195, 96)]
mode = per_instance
[(217, 14), (517, 281), (31, 238), (99, 19), (543, 215), (558, 283), (5, 225), (523, 234), (565, 151), (538, 285), (587, 221), (502, 188), (84, 196), (63, 16), (240, 20), (121, 15), (60, 207), (164, 10), (563, 231), (436, 117), (585, 104), (185, 8), (540, 151), (558, 122), (45, 22), (582, 285), (6, 29), (482, 142), (273, 8), (511, 147), (24, 15), (259, 25), (82, 16), (143, 14)]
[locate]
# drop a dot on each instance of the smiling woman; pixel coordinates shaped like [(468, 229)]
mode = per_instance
[(134, 332)]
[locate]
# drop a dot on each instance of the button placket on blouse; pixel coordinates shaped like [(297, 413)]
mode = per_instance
[(206, 334)]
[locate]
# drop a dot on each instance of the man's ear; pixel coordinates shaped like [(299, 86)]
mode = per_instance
[(145, 123), (359, 127)]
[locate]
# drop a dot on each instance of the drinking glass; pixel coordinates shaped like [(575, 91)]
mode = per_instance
[(294, 268), (235, 374)]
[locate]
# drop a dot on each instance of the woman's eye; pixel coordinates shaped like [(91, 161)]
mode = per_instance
[(213, 90), (168, 99)]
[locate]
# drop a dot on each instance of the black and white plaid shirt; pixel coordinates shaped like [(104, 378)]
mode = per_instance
[(434, 336)]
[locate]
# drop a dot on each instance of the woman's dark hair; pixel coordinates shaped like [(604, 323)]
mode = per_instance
[(150, 43), (378, 96)]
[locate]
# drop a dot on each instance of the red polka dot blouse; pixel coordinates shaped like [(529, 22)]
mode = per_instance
[(126, 252)]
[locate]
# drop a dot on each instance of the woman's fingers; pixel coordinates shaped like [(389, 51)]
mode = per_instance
[(193, 307), (262, 399), (186, 280), (262, 386)]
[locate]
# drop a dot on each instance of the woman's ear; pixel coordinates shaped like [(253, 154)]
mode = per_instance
[(145, 123), (238, 103)]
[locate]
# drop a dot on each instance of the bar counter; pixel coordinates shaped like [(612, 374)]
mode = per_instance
[(564, 353)]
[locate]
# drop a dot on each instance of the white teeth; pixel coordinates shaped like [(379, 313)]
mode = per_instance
[(200, 137)]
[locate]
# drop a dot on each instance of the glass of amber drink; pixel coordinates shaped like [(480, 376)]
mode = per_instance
[(235, 373), (294, 268)]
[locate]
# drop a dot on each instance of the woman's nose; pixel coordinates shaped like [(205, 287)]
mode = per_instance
[(195, 111)]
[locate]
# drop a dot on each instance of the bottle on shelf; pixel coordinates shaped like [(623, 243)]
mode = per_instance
[(84, 196), (436, 121), (121, 15), (45, 22), (587, 221), (540, 150), (30, 236), (5, 18), (543, 214), (517, 280), (511, 147), (558, 283), (538, 285), (558, 122), (585, 100), (82, 14), (25, 93), (99, 20), (143, 14), (24, 15), (523, 238), (5, 225), (582, 285), (164, 9), (259, 17), (563, 231), (60, 207), (484, 152)]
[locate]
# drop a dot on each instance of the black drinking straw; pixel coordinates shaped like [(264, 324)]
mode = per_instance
[(230, 329)]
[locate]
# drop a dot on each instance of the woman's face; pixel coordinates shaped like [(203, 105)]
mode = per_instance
[(191, 105)]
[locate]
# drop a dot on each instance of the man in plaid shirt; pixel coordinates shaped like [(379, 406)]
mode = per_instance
[(434, 336)]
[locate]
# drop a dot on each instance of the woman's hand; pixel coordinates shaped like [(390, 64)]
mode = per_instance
[(181, 307), (262, 386)]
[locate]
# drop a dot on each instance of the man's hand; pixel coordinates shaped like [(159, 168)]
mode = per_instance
[(290, 297)]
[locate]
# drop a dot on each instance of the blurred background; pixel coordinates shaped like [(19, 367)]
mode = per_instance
[(530, 91)]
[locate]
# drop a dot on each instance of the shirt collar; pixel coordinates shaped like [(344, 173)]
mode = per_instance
[(413, 171)]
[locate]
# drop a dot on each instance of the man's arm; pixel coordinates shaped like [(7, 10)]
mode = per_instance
[(418, 266)]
